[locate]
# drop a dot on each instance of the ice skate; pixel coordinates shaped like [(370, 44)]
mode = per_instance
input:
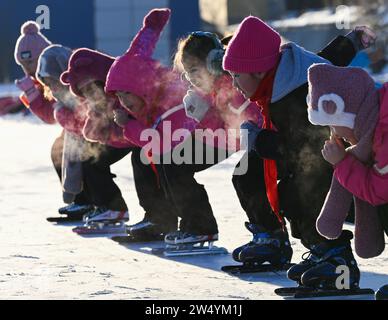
[(267, 252), (72, 213), (143, 231), (104, 221), (181, 243), (75, 209), (317, 275)]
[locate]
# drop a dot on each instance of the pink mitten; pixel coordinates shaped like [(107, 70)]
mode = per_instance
[(27, 85), (157, 18), (334, 211), (369, 233)]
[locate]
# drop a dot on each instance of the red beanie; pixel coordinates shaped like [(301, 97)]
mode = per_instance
[(86, 65), (255, 47)]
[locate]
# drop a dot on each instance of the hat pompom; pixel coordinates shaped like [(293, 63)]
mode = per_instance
[(65, 78), (30, 27)]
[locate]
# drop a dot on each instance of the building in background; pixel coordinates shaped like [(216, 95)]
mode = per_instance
[(310, 23), (114, 16), (222, 13), (104, 25), (109, 25)]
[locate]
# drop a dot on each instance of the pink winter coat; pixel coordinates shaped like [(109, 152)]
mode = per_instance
[(72, 120), (369, 184), (160, 87), (163, 99)]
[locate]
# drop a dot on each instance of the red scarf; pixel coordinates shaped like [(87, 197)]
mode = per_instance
[(262, 97)]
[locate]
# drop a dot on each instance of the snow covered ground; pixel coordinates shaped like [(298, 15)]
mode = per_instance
[(40, 260), (323, 16), (9, 89)]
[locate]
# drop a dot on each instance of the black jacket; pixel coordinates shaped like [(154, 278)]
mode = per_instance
[(304, 175)]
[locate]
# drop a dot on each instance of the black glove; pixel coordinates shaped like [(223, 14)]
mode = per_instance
[(268, 144)]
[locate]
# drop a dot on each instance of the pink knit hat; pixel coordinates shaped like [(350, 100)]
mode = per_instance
[(86, 65), (136, 71), (31, 43), (255, 47), (337, 96)]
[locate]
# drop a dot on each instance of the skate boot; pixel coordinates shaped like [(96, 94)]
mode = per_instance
[(382, 293), (146, 230), (309, 259), (267, 247), (104, 215), (323, 274), (71, 213), (104, 221), (314, 256), (182, 238), (253, 228), (75, 209)]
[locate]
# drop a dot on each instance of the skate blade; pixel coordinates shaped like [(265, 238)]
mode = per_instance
[(264, 268), (359, 294), (189, 252), (64, 219), (131, 239), (291, 291), (97, 229)]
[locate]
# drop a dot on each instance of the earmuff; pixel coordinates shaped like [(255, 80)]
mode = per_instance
[(215, 56)]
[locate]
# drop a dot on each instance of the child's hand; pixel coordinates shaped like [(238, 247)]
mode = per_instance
[(120, 117), (367, 36), (195, 106), (333, 151), (248, 137), (27, 85), (362, 37)]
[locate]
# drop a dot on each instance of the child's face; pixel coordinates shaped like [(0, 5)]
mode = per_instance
[(60, 92), (198, 76), (29, 67), (94, 93), (247, 83), (344, 133), (131, 101), (56, 87)]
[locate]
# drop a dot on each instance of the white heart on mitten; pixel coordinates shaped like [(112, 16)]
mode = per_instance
[(195, 106)]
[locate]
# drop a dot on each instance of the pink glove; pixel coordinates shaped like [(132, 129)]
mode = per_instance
[(27, 85)]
